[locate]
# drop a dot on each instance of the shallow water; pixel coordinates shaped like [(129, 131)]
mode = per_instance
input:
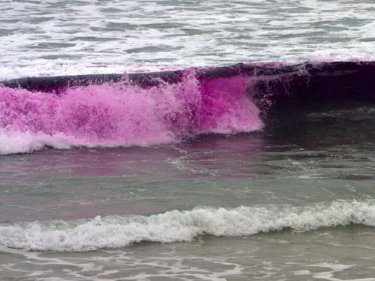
[(312, 188), (334, 254), (308, 163)]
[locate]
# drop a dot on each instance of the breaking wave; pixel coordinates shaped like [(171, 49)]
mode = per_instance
[(123, 114)]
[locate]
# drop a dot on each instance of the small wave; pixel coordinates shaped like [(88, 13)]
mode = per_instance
[(174, 226)]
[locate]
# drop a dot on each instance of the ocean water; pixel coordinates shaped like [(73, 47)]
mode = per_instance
[(185, 180), (76, 37)]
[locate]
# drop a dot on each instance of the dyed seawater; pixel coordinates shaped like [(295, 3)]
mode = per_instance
[(122, 114), (180, 181)]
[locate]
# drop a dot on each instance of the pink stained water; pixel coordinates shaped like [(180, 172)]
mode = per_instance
[(123, 114)]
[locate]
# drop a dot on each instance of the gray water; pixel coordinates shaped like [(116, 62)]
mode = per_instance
[(326, 171), (294, 202), (298, 167)]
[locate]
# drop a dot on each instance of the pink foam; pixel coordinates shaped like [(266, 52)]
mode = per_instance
[(226, 107), (122, 114)]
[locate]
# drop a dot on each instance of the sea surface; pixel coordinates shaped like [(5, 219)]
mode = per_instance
[(119, 182)]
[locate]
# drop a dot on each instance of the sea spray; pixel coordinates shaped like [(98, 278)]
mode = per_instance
[(173, 226), (226, 106), (123, 114)]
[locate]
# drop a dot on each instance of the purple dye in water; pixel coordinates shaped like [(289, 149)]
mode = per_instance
[(225, 106), (122, 114)]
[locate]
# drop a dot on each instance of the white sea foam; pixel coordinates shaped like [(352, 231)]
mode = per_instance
[(173, 226), (16, 142), (12, 142), (60, 38)]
